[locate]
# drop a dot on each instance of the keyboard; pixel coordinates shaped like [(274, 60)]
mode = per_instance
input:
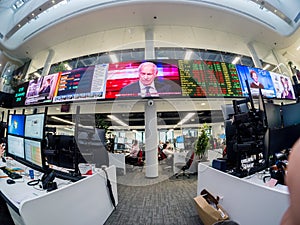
[(67, 176), (11, 174)]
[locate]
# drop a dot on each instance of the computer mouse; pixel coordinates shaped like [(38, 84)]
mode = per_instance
[(10, 181)]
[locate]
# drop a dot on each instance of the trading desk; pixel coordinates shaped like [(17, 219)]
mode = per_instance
[(86, 201), (248, 200)]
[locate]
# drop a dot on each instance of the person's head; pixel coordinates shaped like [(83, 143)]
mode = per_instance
[(48, 81), (147, 73), (253, 75)]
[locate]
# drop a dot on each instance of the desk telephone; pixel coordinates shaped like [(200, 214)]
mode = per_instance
[(47, 181)]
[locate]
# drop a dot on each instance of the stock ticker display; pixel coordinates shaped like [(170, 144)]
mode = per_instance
[(206, 78)]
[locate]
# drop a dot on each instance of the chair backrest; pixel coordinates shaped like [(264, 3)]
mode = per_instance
[(162, 155), (190, 159), (140, 156)]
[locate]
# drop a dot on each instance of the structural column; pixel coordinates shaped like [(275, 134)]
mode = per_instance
[(48, 63), (254, 55), (149, 44), (151, 141)]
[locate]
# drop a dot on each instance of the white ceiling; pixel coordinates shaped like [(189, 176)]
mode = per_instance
[(121, 25)]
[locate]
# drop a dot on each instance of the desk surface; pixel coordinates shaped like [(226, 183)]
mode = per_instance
[(33, 203), (19, 191)]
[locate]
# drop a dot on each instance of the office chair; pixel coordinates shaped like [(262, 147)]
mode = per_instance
[(185, 166), (137, 162)]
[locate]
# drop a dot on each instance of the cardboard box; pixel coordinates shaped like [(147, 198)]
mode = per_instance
[(209, 210)]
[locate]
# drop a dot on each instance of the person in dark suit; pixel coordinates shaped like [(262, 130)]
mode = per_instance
[(45, 89), (148, 85)]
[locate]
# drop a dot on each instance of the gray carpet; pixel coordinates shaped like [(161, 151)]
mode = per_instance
[(169, 201), (161, 201)]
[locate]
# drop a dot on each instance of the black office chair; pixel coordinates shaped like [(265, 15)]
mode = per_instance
[(185, 166)]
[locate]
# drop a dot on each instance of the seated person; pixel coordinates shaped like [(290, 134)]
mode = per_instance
[(161, 155), (168, 150), (133, 155)]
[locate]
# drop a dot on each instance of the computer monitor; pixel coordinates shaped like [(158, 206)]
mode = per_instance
[(278, 139), (34, 126), (16, 123), (33, 153), (273, 114), (15, 147), (290, 114)]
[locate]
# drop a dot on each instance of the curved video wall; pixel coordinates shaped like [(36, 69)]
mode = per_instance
[(174, 78)]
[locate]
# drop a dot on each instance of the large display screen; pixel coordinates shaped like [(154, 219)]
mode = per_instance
[(15, 146), (257, 79), (33, 152), (204, 78), (283, 86), (87, 83), (20, 95), (143, 79), (34, 126), (147, 79), (16, 124), (41, 90)]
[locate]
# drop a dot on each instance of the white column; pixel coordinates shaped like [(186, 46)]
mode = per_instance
[(48, 62), (149, 44), (254, 55), (151, 141)]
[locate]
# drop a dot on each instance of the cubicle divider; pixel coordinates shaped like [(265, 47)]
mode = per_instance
[(87, 201), (247, 201)]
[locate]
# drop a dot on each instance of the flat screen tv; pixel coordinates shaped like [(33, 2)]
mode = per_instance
[(86, 83), (257, 79), (34, 126), (283, 86), (33, 153), (41, 90), (20, 95), (131, 80), (15, 147), (16, 124)]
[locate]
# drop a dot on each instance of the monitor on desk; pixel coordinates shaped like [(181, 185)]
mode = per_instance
[(16, 123), (34, 126), (15, 147), (33, 153)]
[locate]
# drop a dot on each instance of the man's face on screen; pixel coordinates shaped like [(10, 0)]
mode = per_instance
[(147, 74)]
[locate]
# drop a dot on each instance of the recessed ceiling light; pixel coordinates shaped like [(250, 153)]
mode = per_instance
[(236, 59)]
